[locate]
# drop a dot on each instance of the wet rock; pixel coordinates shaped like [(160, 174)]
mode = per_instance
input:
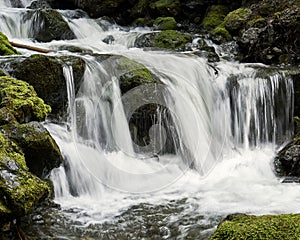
[(49, 25), (287, 163), (109, 39), (5, 47), (133, 74), (45, 74), (41, 151), (169, 39), (20, 190), (39, 4)]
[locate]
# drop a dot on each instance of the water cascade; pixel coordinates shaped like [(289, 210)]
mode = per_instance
[(226, 122)]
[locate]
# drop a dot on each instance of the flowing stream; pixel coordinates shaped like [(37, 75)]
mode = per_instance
[(229, 119)]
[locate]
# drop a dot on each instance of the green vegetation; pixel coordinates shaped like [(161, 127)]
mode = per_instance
[(5, 47), (242, 226)]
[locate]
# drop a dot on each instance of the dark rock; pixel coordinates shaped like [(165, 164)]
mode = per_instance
[(41, 151), (109, 39), (165, 23), (49, 25), (39, 4), (287, 163)]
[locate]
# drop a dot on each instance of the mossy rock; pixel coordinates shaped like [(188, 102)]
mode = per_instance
[(168, 39), (21, 99), (165, 8), (165, 23), (133, 74), (237, 19), (214, 17), (49, 25), (220, 34), (5, 47), (242, 226), (45, 74), (20, 190), (41, 151)]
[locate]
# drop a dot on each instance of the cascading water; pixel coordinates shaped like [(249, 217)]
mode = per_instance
[(226, 122)]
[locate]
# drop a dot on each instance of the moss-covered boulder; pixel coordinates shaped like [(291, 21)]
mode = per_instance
[(20, 190), (242, 226), (169, 39), (45, 74), (50, 25), (21, 99), (237, 19), (41, 151), (214, 17), (165, 23), (5, 47), (133, 74)]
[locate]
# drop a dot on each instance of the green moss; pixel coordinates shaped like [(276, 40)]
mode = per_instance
[(221, 32), (22, 100), (237, 19), (214, 17), (20, 190), (256, 22), (134, 74), (171, 39), (165, 23), (5, 47), (241, 226)]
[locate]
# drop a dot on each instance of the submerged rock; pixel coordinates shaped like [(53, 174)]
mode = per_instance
[(242, 226), (5, 47)]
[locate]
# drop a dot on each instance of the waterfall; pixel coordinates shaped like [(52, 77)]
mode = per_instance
[(215, 128)]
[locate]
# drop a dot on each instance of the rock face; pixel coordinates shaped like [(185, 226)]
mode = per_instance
[(48, 78), (242, 226)]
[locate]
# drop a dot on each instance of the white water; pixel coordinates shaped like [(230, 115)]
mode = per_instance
[(229, 135)]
